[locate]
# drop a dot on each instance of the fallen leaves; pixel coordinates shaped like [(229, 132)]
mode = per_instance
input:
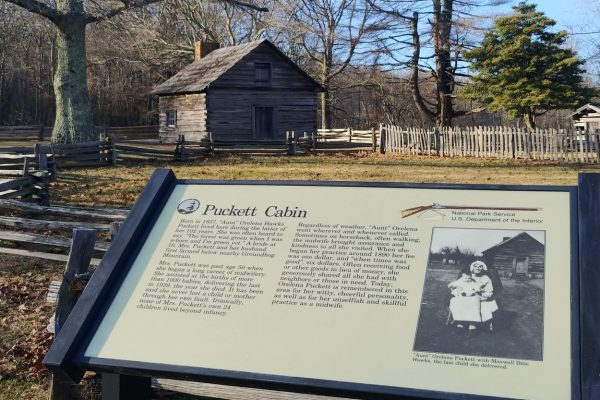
[(24, 316)]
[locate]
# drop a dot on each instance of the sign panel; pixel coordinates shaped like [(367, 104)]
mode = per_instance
[(374, 288)]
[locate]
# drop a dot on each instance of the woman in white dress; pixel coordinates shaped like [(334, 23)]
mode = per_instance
[(473, 297)]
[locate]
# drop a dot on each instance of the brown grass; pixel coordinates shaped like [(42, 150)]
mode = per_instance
[(119, 186)]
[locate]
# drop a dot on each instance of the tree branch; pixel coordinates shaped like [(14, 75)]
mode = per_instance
[(246, 5), (469, 112), (38, 8), (130, 4), (118, 9)]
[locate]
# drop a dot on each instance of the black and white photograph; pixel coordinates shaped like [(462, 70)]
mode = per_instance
[(483, 294)]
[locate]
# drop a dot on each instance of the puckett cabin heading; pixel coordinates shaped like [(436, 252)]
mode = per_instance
[(271, 211)]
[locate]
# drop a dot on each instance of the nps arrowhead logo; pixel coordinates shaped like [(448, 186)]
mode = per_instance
[(188, 206)]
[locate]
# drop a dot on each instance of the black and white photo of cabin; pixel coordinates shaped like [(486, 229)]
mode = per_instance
[(252, 91), (518, 256), (515, 263)]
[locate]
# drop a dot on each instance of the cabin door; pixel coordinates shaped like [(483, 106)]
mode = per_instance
[(521, 265), (264, 126)]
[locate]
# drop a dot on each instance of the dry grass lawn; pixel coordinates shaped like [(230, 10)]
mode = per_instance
[(119, 186)]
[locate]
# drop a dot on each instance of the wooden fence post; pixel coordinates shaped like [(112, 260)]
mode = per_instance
[(114, 229), (349, 135), (382, 138), (436, 140), (78, 263), (314, 141), (113, 150), (182, 149), (44, 180), (597, 144), (305, 140), (373, 140), (294, 144), (211, 143)]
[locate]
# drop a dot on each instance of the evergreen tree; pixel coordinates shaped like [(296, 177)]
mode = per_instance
[(524, 69)]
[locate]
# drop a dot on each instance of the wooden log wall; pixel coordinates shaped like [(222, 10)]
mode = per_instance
[(496, 142), (190, 115)]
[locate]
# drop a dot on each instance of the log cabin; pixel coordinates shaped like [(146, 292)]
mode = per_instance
[(587, 117), (517, 256), (248, 92)]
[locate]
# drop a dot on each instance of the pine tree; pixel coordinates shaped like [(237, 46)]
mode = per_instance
[(524, 68)]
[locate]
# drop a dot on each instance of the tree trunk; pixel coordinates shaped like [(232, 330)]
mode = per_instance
[(74, 121), (325, 110), (529, 119), (414, 78), (442, 22)]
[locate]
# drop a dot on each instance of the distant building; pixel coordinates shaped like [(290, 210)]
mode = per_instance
[(520, 255), (250, 91), (587, 117)]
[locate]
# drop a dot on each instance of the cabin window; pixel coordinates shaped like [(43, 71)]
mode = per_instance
[(262, 74), (264, 126), (171, 118)]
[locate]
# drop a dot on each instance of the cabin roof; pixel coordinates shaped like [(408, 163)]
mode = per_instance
[(594, 107), (197, 76), (507, 241)]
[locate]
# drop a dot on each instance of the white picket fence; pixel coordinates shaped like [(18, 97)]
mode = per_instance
[(495, 142)]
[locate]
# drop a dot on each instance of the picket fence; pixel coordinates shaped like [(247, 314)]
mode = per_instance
[(495, 142)]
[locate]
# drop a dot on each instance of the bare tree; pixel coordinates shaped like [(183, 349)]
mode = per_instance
[(26, 52), (436, 52), (330, 34), (74, 119)]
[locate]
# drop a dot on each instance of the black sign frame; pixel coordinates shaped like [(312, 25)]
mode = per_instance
[(66, 354)]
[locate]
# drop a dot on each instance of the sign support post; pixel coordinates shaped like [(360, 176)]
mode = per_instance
[(589, 272)]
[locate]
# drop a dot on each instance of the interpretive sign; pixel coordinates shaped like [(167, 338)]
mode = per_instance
[(434, 290)]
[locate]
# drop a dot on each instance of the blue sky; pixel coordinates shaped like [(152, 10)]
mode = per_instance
[(578, 17), (567, 13)]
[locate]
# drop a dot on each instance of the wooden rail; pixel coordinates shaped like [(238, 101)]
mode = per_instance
[(352, 139), (32, 230), (41, 133), (25, 132), (132, 132)]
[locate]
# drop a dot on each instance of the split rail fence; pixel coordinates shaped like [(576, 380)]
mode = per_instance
[(495, 142), (348, 138), (41, 133), (26, 176), (31, 230), (484, 142)]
